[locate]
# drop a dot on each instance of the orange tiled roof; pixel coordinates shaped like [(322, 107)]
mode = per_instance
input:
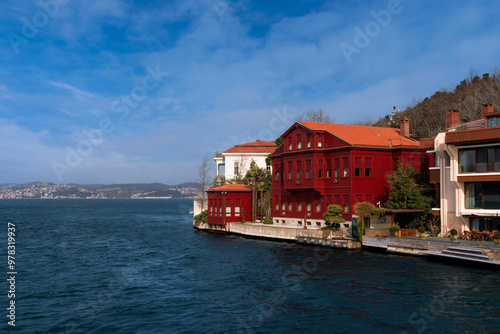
[(364, 135), (232, 187), (259, 146)]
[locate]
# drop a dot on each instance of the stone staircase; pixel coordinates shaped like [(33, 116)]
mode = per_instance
[(492, 255), (475, 254)]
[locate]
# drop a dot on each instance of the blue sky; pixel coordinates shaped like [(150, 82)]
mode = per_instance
[(140, 91)]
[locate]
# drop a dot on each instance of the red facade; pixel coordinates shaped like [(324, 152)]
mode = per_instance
[(321, 164), (229, 204)]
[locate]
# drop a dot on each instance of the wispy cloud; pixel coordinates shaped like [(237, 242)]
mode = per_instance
[(231, 65), (77, 93)]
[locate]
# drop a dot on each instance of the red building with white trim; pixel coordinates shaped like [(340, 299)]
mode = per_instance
[(322, 163), (231, 203)]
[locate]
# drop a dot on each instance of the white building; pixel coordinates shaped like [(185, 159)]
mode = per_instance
[(467, 172), (237, 160)]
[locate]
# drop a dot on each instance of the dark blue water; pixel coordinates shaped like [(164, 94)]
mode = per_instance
[(138, 266)]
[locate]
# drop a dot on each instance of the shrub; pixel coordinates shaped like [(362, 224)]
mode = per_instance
[(453, 232), (421, 229), (333, 215), (377, 212), (497, 235), (202, 217), (364, 211), (436, 230), (268, 221), (394, 228)]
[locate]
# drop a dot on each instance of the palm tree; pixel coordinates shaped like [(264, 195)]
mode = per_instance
[(259, 178)]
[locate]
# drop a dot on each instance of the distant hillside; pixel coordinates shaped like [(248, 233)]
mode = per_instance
[(129, 190), (189, 185), (428, 116), (128, 186)]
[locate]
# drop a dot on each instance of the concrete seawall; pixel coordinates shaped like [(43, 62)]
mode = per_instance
[(273, 232), (300, 235)]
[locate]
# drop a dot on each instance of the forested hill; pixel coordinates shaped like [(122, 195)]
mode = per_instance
[(428, 116)]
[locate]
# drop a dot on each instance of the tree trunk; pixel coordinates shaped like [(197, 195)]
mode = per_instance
[(254, 199)]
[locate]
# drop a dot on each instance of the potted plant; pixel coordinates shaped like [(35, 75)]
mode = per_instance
[(421, 231), (453, 234), (395, 231), (496, 238)]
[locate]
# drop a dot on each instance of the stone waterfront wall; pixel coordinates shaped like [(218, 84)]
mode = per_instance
[(274, 232)]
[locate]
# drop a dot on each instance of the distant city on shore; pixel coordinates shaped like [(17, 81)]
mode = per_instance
[(97, 191)]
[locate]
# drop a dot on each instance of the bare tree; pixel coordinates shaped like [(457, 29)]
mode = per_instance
[(240, 171), (204, 179), (315, 115), (366, 122)]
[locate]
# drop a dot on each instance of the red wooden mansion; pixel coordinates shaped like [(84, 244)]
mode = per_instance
[(231, 203), (322, 163)]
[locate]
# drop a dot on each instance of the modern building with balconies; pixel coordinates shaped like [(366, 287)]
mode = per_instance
[(467, 172)]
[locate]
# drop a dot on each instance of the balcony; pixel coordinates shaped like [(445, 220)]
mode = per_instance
[(473, 136)]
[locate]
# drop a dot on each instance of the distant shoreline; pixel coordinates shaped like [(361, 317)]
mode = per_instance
[(30, 198)]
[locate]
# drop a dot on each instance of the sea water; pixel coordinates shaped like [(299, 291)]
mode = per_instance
[(138, 266)]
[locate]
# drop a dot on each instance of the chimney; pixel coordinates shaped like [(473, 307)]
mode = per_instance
[(486, 109), (404, 125), (452, 118)]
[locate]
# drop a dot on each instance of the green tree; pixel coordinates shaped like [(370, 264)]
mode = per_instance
[(364, 211), (279, 141), (405, 192), (333, 216)]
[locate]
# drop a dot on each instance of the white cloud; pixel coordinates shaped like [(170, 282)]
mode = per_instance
[(225, 80)]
